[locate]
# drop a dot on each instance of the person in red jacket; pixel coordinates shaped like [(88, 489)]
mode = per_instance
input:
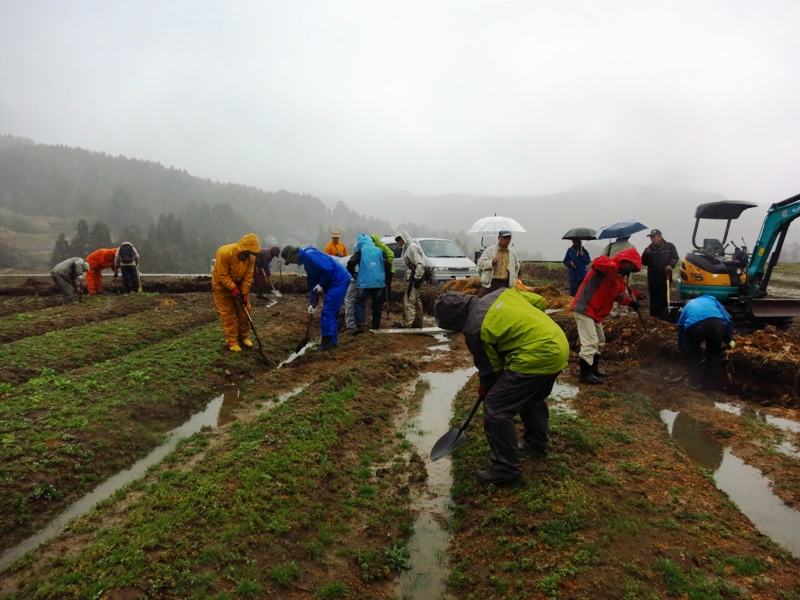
[(99, 260), (603, 285)]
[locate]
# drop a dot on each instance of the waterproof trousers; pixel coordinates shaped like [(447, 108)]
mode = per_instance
[(130, 278), (329, 319), (516, 394), (235, 323), (412, 308), (593, 339), (350, 305), (657, 287), (94, 281), (376, 294), (65, 285), (710, 374)]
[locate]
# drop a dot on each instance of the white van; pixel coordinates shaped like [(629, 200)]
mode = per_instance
[(444, 260)]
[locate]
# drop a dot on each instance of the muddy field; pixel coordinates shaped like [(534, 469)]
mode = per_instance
[(307, 485)]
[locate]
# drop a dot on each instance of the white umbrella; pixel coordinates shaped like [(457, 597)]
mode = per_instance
[(496, 224)]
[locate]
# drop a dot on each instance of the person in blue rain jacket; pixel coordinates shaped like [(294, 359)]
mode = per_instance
[(704, 320), (577, 262)]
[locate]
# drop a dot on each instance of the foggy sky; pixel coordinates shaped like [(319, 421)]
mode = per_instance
[(488, 97)]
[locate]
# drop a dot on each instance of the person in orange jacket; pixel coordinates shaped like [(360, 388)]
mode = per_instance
[(99, 260), (231, 280)]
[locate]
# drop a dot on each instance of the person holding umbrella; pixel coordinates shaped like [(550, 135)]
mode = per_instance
[(577, 258), (498, 266)]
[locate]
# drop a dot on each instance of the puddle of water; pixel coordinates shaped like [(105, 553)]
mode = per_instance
[(210, 417), (788, 448), (425, 580), (779, 422), (561, 396), (744, 484)]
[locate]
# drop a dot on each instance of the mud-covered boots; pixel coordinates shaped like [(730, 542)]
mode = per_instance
[(596, 369), (586, 373), (327, 344)]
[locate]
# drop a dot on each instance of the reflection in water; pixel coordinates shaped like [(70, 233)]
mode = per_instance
[(744, 484), (209, 417), (425, 580)]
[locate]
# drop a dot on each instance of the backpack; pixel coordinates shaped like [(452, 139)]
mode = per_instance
[(126, 253)]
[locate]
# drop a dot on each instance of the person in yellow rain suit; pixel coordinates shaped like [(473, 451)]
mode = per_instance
[(230, 283)]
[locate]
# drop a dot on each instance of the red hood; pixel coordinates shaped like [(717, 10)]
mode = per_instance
[(629, 254)]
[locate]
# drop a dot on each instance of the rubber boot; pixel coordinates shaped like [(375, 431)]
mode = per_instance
[(327, 344), (595, 369), (586, 373)]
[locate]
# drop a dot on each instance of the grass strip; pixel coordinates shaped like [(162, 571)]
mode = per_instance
[(268, 509)]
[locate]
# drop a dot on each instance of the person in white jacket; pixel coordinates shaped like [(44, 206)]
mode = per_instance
[(498, 266), (414, 259)]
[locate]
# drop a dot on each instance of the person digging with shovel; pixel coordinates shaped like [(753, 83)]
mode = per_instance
[(262, 273), (603, 285), (231, 280), (327, 279), (519, 352)]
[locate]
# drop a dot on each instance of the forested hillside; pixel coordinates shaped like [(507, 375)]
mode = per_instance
[(176, 220)]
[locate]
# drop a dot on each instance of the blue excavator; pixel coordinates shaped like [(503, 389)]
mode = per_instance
[(739, 279)]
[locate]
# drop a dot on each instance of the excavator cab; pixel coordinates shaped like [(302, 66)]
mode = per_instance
[(710, 269)]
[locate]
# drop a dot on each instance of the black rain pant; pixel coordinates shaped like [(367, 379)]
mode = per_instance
[(709, 332), (516, 394)]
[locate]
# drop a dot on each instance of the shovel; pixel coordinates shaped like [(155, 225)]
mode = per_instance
[(453, 438), (274, 291), (302, 343), (258, 339), (139, 278)]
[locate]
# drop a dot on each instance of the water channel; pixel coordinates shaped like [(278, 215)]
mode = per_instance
[(216, 414), (745, 485)]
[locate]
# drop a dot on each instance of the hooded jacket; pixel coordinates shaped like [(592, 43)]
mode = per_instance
[(387, 252), (603, 286), (699, 309), (71, 269), (322, 269), (230, 272), (506, 329), (261, 270), (369, 259), (102, 259), (413, 256)]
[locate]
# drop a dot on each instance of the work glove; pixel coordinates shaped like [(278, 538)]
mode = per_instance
[(236, 292), (312, 309), (635, 305), (731, 345), (417, 282), (244, 299), (637, 295), (482, 392), (318, 289)]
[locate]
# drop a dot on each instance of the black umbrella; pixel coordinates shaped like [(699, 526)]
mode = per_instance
[(580, 233)]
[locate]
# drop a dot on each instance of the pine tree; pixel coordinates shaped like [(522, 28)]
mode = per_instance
[(100, 236), (80, 246), (62, 250)]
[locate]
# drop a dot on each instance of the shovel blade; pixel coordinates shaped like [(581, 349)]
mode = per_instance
[(301, 344), (447, 443)]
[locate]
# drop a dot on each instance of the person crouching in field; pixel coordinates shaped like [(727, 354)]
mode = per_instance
[(99, 260), (69, 276), (231, 280), (262, 272), (519, 352)]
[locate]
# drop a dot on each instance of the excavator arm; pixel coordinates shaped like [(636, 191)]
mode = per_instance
[(776, 225)]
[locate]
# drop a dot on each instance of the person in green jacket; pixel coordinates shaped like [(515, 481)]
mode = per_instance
[(519, 352)]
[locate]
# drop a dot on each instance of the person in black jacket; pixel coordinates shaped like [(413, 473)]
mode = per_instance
[(660, 257)]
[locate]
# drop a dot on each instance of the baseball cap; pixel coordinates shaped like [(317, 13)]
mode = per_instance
[(654, 232), (505, 233)]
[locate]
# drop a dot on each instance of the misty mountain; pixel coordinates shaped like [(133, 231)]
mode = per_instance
[(547, 217)]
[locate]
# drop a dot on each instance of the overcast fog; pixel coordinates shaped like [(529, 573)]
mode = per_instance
[(350, 97)]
